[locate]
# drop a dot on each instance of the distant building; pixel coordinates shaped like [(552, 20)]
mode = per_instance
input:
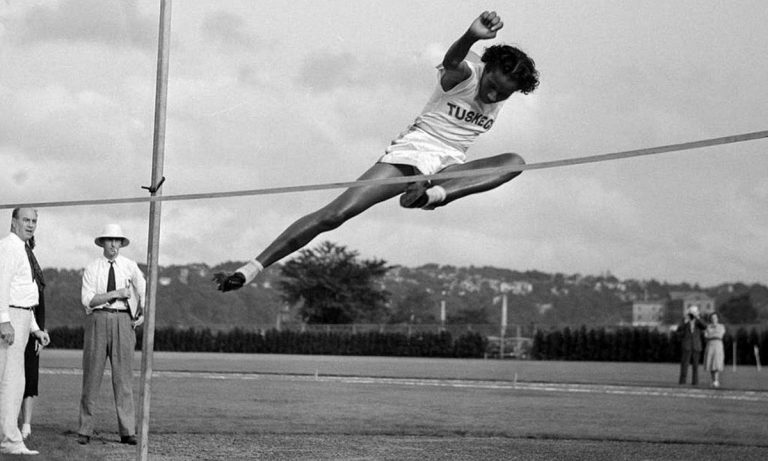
[(648, 313), (670, 311), (680, 301), (184, 275), (518, 287), (469, 286)]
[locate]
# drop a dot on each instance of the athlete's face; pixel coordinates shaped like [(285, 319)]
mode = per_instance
[(497, 85)]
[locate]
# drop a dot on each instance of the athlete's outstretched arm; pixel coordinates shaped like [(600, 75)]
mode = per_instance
[(484, 27)]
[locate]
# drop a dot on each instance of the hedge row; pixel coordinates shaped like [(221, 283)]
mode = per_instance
[(468, 345), (638, 345), (615, 345)]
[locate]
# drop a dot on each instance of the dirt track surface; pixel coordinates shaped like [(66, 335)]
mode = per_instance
[(183, 447)]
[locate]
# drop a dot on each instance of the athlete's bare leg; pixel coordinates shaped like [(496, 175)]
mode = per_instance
[(461, 187), (349, 204), (355, 200)]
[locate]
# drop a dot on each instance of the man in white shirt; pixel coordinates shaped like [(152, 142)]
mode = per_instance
[(18, 299), (111, 286)]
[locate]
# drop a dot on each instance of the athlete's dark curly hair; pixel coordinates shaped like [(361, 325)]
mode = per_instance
[(515, 62)]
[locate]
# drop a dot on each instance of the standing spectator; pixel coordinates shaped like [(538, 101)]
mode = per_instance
[(690, 331), (32, 352), (714, 354), (19, 296), (110, 331)]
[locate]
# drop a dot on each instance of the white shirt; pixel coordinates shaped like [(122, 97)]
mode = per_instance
[(95, 281), (17, 288)]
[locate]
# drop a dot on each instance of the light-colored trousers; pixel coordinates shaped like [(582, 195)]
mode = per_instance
[(12, 382), (108, 336)]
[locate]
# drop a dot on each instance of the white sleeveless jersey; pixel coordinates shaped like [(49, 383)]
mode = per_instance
[(448, 125), (455, 117)]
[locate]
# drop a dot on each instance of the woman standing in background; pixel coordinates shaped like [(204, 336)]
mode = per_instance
[(714, 354)]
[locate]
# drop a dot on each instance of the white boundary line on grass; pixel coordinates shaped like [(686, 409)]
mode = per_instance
[(645, 391), (557, 387)]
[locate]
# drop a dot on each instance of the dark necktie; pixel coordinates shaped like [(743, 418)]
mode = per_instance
[(37, 273), (37, 276), (111, 277)]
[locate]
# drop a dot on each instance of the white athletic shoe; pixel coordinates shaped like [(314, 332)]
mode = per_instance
[(19, 450), (250, 270)]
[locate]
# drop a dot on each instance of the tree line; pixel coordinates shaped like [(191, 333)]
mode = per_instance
[(272, 341), (638, 345), (601, 345)]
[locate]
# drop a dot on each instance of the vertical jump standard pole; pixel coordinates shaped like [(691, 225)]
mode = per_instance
[(503, 332), (158, 155)]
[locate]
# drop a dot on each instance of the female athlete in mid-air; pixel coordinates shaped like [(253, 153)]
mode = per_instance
[(464, 105)]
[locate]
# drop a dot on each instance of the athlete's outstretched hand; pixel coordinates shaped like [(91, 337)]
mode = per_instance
[(229, 282), (486, 25)]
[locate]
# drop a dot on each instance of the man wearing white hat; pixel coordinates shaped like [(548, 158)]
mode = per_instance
[(112, 285), (691, 332)]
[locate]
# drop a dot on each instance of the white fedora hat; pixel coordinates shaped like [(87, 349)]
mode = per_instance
[(111, 231)]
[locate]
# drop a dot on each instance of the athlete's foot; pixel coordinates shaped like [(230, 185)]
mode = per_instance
[(423, 195), (415, 195), (242, 276), (229, 282)]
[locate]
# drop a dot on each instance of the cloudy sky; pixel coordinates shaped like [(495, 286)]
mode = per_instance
[(267, 94)]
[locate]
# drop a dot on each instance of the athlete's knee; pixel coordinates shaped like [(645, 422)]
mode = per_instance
[(511, 158)]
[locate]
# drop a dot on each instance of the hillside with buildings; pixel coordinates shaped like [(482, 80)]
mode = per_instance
[(468, 295)]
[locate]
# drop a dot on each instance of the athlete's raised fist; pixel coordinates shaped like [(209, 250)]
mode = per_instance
[(486, 25)]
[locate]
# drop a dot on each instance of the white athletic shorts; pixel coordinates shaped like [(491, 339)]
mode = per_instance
[(423, 151)]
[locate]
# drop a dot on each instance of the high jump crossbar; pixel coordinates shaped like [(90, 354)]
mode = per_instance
[(408, 179)]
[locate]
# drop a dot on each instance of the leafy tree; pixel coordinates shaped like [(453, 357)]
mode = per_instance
[(335, 286), (739, 310), (467, 316), (416, 305)]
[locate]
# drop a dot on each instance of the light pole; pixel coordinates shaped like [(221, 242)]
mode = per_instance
[(503, 324), (442, 313)]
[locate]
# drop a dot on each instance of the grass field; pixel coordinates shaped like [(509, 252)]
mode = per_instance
[(220, 406)]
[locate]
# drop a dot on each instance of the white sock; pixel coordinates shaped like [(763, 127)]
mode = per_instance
[(435, 196), (251, 270)]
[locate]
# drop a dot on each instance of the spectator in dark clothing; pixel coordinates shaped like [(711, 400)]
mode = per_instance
[(691, 331)]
